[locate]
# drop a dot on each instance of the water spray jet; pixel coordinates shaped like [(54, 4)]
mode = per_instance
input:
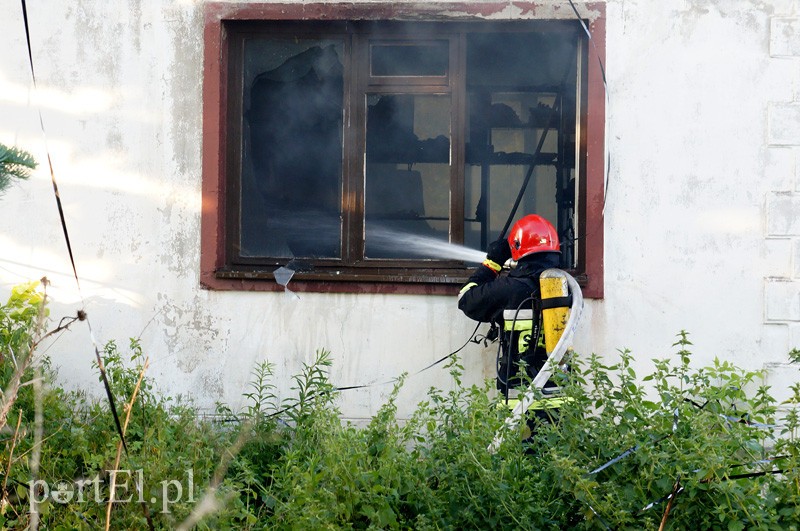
[(421, 245)]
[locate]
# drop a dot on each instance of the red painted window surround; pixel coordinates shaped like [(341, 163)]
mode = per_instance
[(215, 147)]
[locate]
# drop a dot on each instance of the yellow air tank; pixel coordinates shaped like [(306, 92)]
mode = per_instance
[(555, 306)]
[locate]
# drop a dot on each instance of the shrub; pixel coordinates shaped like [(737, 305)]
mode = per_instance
[(683, 447), (701, 452)]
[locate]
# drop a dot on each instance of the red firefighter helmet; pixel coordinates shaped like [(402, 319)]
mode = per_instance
[(532, 234)]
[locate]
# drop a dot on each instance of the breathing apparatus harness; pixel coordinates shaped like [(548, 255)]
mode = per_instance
[(505, 351), (538, 337)]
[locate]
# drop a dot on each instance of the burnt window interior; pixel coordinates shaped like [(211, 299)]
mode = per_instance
[(521, 124), (355, 141)]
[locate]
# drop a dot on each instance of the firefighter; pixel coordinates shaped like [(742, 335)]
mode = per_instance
[(512, 301)]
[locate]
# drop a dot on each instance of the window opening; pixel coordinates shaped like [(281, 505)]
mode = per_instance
[(342, 136)]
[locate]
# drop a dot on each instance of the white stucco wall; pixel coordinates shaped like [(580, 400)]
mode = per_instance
[(702, 220)]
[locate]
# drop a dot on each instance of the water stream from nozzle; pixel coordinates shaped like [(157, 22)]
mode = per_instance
[(424, 246)]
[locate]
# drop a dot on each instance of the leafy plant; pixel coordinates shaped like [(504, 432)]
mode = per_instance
[(22, 323), (168, 445)]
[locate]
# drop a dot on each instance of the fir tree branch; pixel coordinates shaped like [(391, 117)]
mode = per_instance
[(15, 163)]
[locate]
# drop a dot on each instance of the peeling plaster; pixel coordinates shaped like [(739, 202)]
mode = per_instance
[(191, 333), (742, 15), (212, 384), (524, 10), (116, 220)]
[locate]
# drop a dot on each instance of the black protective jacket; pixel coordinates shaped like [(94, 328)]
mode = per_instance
[(486, 295), (491, 293)]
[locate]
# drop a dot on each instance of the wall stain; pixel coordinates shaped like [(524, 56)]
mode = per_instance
[(135, 10), (99, 41), (185, 27), (181, 250)]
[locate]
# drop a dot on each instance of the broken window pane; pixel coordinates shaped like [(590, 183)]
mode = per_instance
[(292, 152), (407, 185)]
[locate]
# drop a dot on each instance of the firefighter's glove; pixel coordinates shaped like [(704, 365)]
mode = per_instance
[(497, 253)]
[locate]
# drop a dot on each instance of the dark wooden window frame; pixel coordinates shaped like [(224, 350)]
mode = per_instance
[(219, 150)]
